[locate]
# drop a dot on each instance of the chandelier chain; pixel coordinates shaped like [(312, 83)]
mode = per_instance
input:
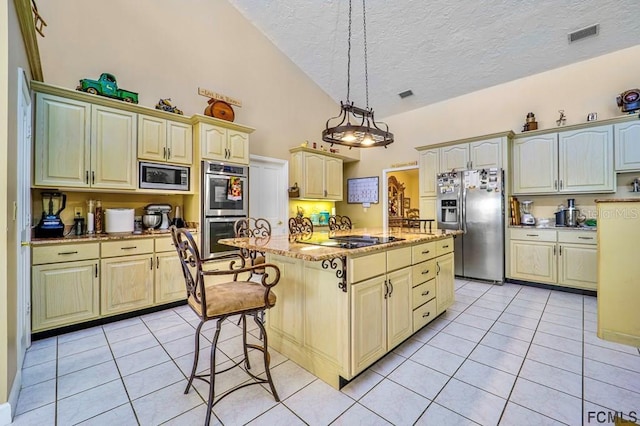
[(366, 70), (349, 56)]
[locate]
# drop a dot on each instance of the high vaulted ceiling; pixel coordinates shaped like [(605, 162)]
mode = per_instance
[(439, 49)]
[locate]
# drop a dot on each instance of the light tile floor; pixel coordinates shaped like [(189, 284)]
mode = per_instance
[(508, 355)]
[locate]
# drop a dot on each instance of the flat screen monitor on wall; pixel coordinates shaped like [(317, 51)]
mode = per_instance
[(362, 190)]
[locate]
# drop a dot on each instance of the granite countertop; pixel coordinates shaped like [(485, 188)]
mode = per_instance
[(93, 238), (617, 200), (284, 246), (557, 228)]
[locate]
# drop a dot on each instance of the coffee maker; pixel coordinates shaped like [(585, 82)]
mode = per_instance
[(51, 225)]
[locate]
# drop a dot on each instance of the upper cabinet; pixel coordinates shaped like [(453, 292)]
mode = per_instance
[(566, 162), (81, 145), (222, 140), (627, 146), (164, 140), (477, 153), (319, 176)]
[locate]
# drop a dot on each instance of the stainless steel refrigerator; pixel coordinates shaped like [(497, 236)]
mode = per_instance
[(473, 201)]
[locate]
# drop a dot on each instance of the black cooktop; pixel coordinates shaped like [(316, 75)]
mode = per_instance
[(349, 241)]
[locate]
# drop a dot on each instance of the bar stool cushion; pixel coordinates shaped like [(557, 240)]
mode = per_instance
[(232, 297)]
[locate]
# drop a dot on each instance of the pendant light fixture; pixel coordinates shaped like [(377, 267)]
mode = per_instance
[(356, 127)]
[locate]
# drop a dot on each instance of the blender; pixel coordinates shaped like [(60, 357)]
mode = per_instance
[(526, 215), (51, 225)]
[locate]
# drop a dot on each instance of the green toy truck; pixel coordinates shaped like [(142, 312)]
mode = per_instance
[(106, 85)]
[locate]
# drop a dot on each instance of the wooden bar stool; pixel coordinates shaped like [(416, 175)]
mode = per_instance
[(219, 301)]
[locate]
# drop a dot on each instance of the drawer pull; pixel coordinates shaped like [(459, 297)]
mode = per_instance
[(128, 248), (425, 293), (425, 272), (426, 252), (151, 263), (447, 246), (586, 238), (533, 235), (67, 252), (426, 314)]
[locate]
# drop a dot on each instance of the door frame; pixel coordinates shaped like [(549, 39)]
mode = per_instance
[(283, 165), (385, 192)]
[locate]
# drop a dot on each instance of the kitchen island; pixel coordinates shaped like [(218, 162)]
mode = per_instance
[(343, 303)]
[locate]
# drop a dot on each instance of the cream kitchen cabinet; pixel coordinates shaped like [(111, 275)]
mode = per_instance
[(164, 140), (126, 279), (318, 176), (567, 162), (218, 143), (455, 157), (618, 271), (627, 146), (169, 281), (429, 166), (65, 285), (82, 145), (565, 258)]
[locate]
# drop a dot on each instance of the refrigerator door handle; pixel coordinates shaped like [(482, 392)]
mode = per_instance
[(463, 218)]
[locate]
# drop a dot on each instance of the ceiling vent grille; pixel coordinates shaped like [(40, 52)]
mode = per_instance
[(584, 33), (405, 94)]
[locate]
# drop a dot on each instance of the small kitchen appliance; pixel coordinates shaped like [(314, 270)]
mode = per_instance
[(526, 215), (51, 225), (118, 221), (571, 213), (163, 211)]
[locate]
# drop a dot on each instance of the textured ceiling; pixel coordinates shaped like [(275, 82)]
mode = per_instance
[(439, 49)]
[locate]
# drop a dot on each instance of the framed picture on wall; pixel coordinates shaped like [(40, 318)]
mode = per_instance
[(406, 203)]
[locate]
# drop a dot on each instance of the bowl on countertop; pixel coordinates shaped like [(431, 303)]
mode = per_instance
[(151, 221)]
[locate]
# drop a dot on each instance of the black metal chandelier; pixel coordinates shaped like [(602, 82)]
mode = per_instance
[(356, 127)]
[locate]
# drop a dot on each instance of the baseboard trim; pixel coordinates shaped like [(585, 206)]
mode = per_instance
[(5, 409), (5, 414), (553, 287)]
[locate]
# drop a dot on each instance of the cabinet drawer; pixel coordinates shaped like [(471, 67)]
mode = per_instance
[(424, 314), (65, 253), (444, 246), (398, 258), (361, 268), (127, 247), (164, 244), (423, 293), (577, 237), (533, 234), (422, 252), (424, 271)]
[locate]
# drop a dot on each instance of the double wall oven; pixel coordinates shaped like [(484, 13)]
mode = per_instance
[(225, 191)]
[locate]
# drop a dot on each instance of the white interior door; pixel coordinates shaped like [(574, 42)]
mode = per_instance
[(268, 196), (23, 215)]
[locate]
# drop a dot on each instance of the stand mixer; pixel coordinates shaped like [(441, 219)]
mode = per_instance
[(526, 215), (161, 210)]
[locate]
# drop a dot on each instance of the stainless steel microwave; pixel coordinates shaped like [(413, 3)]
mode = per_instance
[(163, 176)]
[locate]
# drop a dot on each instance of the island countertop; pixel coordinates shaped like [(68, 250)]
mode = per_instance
[(289, 246)]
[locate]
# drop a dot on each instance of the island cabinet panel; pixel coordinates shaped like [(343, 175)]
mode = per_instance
[(368, 323), (126, 283), (361, 268), (423, 292), (398, 258), (422, 252), (424, 271), (399, 307), (424, 314), (445, 289), (64, 293), (286, 316)]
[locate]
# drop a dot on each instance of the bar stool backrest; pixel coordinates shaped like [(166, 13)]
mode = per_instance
[(300, 226)]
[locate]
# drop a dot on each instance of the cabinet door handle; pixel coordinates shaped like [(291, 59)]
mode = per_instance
[(164, 153), (168, 153), (386, 289), (86, 176), (128, 248), (426, 314), (426, 252), (555, 184), (560, 183), (93, 177), (157, 262), (554, 250), (425, 293), (586, 238), (533, 235), (560, 250), (425, 272), (151, 263), (96, 267), (67, 252), (438, 268), (391, 288)]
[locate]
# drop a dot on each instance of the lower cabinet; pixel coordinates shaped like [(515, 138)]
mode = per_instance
[(65, 285), (169, 281), (565, 258), (127, 283), (445, 288)]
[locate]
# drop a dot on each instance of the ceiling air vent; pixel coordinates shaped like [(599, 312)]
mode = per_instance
[(405, 94), (584, 33)]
